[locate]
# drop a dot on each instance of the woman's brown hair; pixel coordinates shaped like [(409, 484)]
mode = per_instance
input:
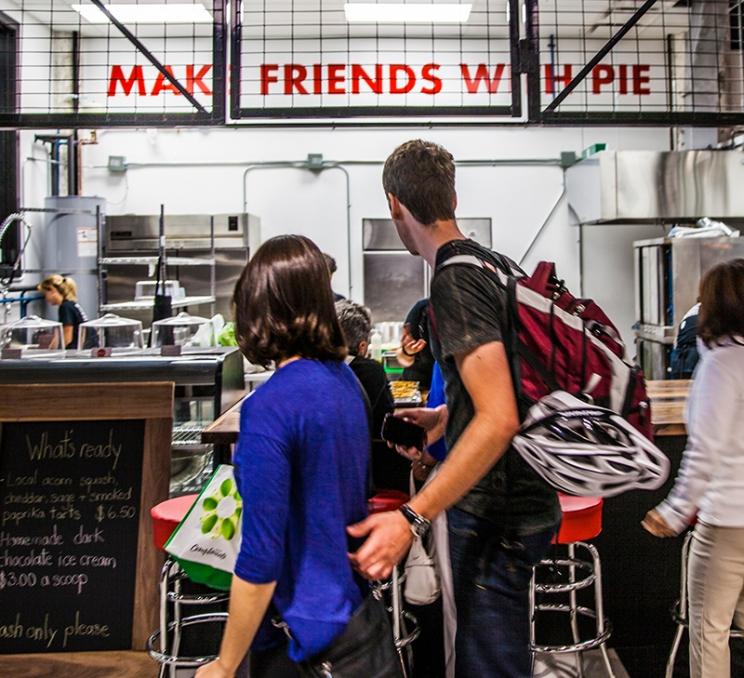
[(722, 303), (284, 304)]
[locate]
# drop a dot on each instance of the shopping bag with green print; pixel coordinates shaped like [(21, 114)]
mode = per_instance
[(206, 542)]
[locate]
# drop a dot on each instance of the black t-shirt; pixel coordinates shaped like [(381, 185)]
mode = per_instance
[(423, 362), (467, 311), (390, 471), (71, 313)]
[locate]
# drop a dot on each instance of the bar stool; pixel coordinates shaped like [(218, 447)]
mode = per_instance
[(392, 500), (680, 611), (165, 518), (582, 520)]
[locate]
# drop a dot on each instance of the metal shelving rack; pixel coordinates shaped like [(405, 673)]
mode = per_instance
[(151, 262)]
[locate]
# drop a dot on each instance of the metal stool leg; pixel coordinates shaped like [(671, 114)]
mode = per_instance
[(673, 652), (176, 618), (168, 634), (599, 606), (681, 613), (573, 612), (532, 602), (402, 622), (398, 620), (164, 581)]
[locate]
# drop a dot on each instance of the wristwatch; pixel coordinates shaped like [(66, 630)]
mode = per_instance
[(419, 524)]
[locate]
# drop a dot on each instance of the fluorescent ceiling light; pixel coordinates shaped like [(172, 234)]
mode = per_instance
[(399, 13), (176, 13)]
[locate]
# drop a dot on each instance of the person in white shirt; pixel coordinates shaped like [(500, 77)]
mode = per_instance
[(710, 483)]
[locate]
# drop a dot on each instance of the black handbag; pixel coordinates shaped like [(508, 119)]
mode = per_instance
[(364, 650)]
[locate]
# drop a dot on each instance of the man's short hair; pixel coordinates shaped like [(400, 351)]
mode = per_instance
[(330, 262), (421, 174), (356, 323)]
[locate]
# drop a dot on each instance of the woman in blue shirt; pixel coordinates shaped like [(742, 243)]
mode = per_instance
[(300, 464)]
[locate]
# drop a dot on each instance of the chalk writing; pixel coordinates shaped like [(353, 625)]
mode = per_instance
[(69, 520)]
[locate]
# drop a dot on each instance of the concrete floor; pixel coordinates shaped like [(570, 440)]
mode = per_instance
[(556, 666), (564, 666)]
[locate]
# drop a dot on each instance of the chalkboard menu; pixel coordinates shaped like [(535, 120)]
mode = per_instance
[(69, 518)]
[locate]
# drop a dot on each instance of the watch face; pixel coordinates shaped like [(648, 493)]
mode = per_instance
[(419, 530)]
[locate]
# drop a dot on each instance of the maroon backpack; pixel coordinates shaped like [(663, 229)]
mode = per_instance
[(561, 342)]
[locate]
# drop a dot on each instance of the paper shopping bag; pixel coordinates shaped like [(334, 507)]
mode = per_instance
[(207, 541)]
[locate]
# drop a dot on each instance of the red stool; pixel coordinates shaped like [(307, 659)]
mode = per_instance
[(165, 518), (392, 500), (582, 520), (167, 515), (387, 500)]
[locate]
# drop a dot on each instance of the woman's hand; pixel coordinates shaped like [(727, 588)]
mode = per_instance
[(213, 670), (432, 420), (409, 347), (656, 525)]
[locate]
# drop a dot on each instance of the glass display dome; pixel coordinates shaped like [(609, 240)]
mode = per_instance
[(183, 330), (110, 331), (33, 332)]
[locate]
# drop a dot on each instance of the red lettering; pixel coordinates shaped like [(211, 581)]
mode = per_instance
[(268, 75), (481, 75), (358, 74), (395, 86), (317, 79), (641, 79), (162, 86), (294, 76), (336, 79), (427, 73), (194, 81), (127, 84), (551, 78), (623, 78), (601, 75)]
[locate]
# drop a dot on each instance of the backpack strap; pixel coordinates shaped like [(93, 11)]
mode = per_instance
[(499, 265), (501, 269)]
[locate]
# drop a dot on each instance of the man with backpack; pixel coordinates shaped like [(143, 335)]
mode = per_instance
[(501, 516)]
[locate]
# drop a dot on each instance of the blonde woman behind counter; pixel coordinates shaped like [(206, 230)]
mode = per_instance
[(710, 483), (61, 291)]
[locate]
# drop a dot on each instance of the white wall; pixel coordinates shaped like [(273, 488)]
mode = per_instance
[(517, 199)]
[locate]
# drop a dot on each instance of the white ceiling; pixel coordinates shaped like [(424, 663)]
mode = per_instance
[(311, 18)]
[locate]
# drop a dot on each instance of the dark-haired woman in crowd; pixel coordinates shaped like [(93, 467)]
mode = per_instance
[(301, 468), (710, 483)]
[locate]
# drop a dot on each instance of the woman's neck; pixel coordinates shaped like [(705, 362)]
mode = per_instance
[(286, 361)]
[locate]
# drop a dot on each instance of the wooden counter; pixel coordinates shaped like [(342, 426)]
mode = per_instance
[(224, 430), (668, 404)]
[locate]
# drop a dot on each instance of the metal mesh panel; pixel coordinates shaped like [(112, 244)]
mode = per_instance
[(676, 61), (80, 67), (302, 59)]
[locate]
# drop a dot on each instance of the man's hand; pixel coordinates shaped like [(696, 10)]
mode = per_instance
[(213, 670), (389, 537), (656, 525)]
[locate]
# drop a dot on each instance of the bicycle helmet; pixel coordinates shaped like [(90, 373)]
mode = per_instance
[(585, 450)]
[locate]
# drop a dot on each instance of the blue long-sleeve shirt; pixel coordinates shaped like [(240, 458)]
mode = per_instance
[(301, 468)]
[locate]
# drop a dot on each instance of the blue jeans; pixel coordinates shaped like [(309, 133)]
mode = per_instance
[(491, 575)]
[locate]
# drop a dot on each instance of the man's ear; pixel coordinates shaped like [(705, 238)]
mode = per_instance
[(396, 211), (454, 202)]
